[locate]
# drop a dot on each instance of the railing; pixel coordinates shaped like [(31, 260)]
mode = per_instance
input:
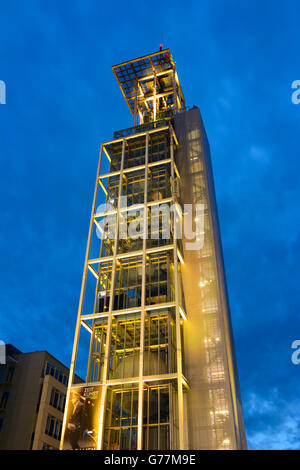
[(141, 128), (161, 122)]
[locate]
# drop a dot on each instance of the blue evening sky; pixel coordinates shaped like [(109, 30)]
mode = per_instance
[(236, 60)]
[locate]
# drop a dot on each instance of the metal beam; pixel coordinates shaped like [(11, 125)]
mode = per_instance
[(81, 299)]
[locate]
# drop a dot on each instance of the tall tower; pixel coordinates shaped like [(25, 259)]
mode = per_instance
[(161, 371)]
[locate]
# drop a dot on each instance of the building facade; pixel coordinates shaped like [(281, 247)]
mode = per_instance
[(153, 300), (33, 390)]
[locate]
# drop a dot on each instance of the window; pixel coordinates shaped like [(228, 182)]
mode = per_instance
[(4, 399), (10, 373), (57, 399), (53, 427)]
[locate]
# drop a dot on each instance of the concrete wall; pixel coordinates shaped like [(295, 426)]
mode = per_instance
[(19, 421)]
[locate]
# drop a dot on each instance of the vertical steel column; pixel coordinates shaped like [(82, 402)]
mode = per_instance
[(174, 90), (109, 319), (176, 285), (81, 298), (90, 360), (143, 299), (92, 340), (154, 98), (135, 104)]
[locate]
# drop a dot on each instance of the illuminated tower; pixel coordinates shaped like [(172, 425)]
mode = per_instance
[(159, 357)]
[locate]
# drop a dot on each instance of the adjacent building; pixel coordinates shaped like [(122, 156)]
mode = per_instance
[(160, 362), (32, 399)]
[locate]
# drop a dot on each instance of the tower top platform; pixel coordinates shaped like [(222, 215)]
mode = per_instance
[(150, 86)]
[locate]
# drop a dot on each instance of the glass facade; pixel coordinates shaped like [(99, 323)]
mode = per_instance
[(135, 342), (135, 293)]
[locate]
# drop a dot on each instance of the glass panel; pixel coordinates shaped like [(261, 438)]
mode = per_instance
[(160, 341), (159, 146), (97, 350), (134, 187), (103, 287), (128, 285), (160, 229), (121, 418), (156, 417), (131, 231), (158, 278), (115, 153), (159, 182), (125, 347), (135, 152)]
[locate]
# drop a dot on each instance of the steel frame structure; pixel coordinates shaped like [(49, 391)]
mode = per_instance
[(139, 291), (143, 310), (150, 86)]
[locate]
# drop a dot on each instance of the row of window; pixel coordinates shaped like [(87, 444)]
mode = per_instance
[(56, 372)]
